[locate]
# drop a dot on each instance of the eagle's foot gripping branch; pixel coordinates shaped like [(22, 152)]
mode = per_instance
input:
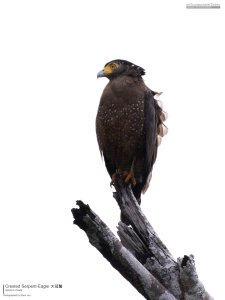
[(129, 177), (113, 177)]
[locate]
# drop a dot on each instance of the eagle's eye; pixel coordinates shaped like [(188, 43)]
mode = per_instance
[(112, 66)]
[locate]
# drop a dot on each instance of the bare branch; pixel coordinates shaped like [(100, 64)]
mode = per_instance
[(102, 238), (139, 255), (192, 287), (152, 253)]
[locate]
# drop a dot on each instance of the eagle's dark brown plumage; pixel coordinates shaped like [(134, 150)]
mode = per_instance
[(129, 124)]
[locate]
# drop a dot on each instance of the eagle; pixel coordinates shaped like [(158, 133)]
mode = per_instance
[(129, 125)]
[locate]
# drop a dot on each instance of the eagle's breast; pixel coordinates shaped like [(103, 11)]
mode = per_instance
[(120, 121)]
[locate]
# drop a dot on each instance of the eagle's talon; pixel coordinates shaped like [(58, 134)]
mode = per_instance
[(113, 179), (129, 176)]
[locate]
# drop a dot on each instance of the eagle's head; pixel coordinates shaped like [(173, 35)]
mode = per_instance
[(118, 67)]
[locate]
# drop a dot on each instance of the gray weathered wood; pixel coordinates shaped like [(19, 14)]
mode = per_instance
[(190, 283), (140, 256), (102, 238), (157, 259)]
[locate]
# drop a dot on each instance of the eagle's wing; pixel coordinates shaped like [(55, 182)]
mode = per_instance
[(154, 130)]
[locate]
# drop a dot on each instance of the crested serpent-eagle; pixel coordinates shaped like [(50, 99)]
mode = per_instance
[(129, 125)]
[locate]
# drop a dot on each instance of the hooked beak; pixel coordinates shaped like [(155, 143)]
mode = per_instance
[(101, 74)]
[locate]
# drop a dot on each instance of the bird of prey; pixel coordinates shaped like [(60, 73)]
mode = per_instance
[(129, 125)]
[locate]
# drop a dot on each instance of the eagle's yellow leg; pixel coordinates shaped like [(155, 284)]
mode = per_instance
[(129, 177)]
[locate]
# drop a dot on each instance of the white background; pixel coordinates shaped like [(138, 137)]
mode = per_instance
[(50, 54)]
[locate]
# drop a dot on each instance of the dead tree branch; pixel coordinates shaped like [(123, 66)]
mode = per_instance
[(102, 238), (139, 255)]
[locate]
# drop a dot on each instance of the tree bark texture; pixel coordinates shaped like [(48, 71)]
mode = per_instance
[(139, 255)]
